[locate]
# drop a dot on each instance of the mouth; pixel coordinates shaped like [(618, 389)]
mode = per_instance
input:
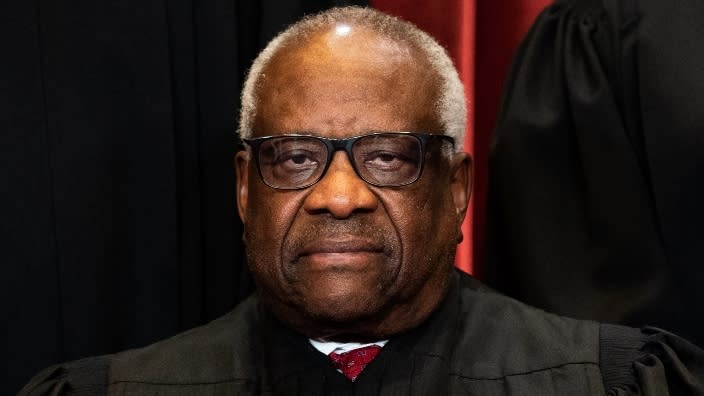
[(348, 245), (340, 253)]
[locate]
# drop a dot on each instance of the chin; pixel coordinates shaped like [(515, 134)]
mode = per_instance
[(342, 309), (345, 315)]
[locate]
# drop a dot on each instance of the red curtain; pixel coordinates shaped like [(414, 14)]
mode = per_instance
[(481, 36)]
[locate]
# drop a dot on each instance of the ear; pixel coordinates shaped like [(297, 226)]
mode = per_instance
[(461, 186), (242, 182)]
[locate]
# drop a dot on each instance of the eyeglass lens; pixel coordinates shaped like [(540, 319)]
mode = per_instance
[(299, 161)]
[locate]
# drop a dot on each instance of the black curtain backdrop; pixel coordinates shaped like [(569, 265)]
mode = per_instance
[(117, 209)]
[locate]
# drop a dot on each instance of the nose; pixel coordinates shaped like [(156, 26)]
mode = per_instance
[(340, 192)]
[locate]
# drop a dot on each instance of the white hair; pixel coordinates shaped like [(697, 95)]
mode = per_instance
[(450, 104)]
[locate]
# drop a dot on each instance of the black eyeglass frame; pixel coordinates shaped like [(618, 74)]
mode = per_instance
[(346, 144)]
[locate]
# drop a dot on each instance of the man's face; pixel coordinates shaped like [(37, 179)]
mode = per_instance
[(343, 259)]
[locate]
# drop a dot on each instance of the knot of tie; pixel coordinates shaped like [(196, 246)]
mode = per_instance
[(353, 362)]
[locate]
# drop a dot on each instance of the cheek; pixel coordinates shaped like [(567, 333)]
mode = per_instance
[(268, 218), (270, 212), (424, 222)]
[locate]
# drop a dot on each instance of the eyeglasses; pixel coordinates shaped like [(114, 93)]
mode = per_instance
[(384, 159)]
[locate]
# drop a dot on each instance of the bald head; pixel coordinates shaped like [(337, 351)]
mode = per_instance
[(345, 44), (357, 70)]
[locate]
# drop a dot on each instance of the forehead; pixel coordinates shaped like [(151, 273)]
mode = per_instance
[(346, 84)]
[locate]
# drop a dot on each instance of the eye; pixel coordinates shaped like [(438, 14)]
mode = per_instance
[(295, 159), (385, 157), (385, 160)]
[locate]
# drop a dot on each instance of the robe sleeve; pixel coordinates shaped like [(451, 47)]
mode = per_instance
[(577, 187), (86, 377), (649, 361)]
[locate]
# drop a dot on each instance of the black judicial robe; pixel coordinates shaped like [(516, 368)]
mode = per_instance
[(477, 343), (596, 167)]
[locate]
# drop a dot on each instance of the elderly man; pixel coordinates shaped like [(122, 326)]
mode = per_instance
[(352, 189)]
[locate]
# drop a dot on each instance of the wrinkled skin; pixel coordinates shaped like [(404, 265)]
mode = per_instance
[(343, 260)]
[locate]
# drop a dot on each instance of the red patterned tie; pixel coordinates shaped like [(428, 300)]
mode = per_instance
[(353, 362)]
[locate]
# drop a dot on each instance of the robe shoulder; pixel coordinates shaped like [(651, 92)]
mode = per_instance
[(217, 356), (85, 377), (495, 340), (649, 361), (503, 340)]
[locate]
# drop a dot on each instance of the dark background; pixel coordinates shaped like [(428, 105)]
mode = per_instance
[(596, 166), (117, 133), (117, 125)]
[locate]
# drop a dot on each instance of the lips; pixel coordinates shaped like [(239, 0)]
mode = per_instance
[(335, 253), (324, 243), (341, 246)]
